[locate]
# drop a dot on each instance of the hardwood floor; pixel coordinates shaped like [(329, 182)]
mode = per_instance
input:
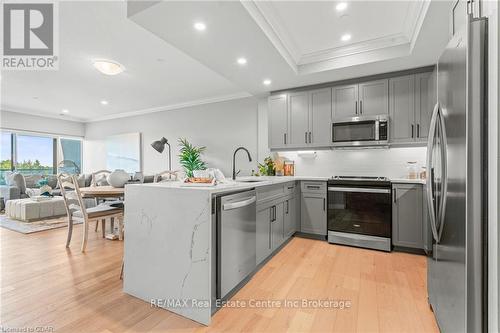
[(43, 284)]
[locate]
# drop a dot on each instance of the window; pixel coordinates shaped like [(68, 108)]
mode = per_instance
[(71, 156), (5, 155), (34, 154)]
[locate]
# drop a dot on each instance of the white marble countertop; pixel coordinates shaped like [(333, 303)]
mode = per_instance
[(240, 184)]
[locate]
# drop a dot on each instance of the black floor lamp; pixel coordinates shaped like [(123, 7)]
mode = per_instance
[(159, 146)]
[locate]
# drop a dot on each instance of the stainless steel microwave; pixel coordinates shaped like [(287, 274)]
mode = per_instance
[(361, 131)]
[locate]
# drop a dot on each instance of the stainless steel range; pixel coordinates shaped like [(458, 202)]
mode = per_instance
[(360, 211)]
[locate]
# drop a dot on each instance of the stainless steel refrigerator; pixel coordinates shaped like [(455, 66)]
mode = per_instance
[(457, 183)]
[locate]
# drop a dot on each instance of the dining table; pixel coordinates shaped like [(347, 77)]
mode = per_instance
[(104, 192)]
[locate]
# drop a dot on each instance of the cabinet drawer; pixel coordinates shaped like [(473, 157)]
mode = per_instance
[(270, 192), (313, 187), (290, 188)]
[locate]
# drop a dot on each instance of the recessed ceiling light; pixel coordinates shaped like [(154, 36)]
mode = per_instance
[(108, 67), (345, 37), (65, 111), (200, 26), (266, 82), (104, 102), (341, 6), (242, 61)]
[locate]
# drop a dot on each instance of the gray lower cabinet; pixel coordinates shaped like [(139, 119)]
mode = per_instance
[(313, 208), (277, 226), (408, 216), (289, 224), (263, 232)]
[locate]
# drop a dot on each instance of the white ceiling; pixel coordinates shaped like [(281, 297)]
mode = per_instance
[(157, 74), (293, 43)]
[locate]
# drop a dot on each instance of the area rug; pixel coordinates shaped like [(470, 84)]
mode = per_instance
[(31, 227)]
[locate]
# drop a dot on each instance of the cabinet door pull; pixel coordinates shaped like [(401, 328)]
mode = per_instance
[(356, 107), (418, 130), (284, 138), (305, 137), (313, 187), (394, 194), (310, 137), (412, 130), (274, 213), (287, 208), (324, 204), (360, 107)]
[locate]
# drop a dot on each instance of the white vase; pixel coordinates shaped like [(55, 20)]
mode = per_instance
[(118, 178)]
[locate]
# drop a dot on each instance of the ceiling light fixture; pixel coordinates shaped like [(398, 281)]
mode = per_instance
[(266, 82), (242, 61), (104, 102), (200, 26), (345, 37), (341, 6), (108, 67), (65, 111)]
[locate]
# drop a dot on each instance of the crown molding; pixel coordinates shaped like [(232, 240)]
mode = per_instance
[(171, 107), (353, 49), (401, 43)]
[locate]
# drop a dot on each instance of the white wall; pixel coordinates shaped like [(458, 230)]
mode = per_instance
[(31, 123), (221, 127)]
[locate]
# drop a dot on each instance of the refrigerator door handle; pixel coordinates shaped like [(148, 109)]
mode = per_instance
[(444, 172), (430, 145)]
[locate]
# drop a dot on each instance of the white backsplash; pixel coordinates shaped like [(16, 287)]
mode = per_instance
[(364, 162)]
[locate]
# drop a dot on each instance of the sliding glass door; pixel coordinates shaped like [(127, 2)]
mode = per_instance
[(35, 154), (28, 153)]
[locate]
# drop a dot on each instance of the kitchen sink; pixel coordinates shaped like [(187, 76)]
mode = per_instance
[(249, 181)]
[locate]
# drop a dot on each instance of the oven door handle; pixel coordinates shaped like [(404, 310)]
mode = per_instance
[(358, 189)]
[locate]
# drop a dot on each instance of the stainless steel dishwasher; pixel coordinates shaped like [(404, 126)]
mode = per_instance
[(236, 230)]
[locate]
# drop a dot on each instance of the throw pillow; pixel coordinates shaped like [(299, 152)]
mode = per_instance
[(51, 181), (81, 180), (31, 181), (17, 180), (101, 180)]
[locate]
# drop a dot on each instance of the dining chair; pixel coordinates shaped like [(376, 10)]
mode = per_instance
[(77, 212), (97, 180), (165, 175)]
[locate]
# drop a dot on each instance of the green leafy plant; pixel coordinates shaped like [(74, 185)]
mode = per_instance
[(190, 157), (267, 168)]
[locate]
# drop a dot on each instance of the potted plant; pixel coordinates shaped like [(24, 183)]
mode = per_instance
[(190, 157)]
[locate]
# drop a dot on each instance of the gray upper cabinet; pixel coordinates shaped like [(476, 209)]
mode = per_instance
[(345, 101), (298, 111), (411, 104), (373, 98), (407, 216), (425, 100), (401, 108), (320, 117), (278, 121)]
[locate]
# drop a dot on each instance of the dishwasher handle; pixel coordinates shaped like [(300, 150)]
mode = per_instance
[(239, 204)]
